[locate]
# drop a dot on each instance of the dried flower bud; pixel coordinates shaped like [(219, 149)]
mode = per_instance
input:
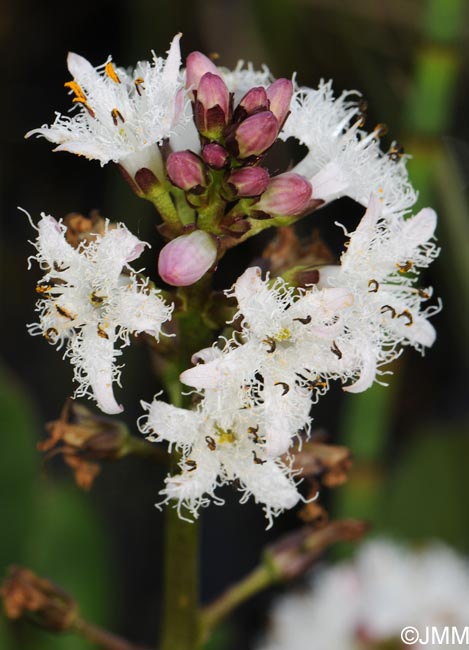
[(249, 181), (287, 194), (254, 101), (82, 437), (197, 64), (212, 105), (254, 135), (329, 463), (280, 94), (215, 155), (186, 170), (25, 594), (187, 258)]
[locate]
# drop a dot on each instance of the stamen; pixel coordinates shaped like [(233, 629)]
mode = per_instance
[(406, 314), (284, 385), (51, 333), (405, 268), (78, 100), (211, 444), (386, 308), (423, 294), (304, 321), (96, 299), (258, 460), (396, 152), (317, 383), (102, 332), (116, 116), (380, 130), (336, 350), (59, 268), (373, 286), (63, 312), (271, 343), (43, 288), (111, 72), (192, 465), (76, 89), (139, 85)]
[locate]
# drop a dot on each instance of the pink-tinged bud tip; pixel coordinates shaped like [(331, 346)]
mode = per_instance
[(212, 105), (187, 258), (186, 170), (249, 181), (255, 134), (254, 101), (286, 194), (215, 155), (280, 94), (197, 64)]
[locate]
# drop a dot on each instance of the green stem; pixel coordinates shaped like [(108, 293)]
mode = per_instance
[(102, 638), (163, 202), (181, 602)]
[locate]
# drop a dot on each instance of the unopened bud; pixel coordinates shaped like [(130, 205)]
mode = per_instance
[(215, 155), (187, 258), (25, 594), (254, 135), (212, 105), (280, 94), (186, 170), (197, 64), (249, 181), (287, 194), (254, 101)]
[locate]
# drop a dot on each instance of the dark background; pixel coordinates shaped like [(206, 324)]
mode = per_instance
[(410, 441)]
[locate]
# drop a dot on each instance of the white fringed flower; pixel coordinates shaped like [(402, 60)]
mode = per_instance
[(286, 357), (343, 159), (121, 115), (379, 268), (362, 604), (220, 442), (91, 302)]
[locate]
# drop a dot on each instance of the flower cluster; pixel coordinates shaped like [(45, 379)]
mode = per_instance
[(194, 141), (369, 601), (91, 301)]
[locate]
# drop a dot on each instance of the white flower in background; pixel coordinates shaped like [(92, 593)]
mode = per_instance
[(221, 443), (121, 115), (91, 302), (286, 356), (379, 268), (343, 159), (358, 604)]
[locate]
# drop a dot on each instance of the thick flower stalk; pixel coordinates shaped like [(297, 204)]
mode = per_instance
[(91, 302)]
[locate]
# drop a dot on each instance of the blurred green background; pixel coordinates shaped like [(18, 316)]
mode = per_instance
[(411, 441)]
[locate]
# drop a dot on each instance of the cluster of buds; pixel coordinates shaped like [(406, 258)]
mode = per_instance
[(224, 183)]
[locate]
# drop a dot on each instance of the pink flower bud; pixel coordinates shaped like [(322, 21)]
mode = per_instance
[(286, 194), (215, 155), (212, 105), (254, 135), (186, 170), (280, 94), (187, 258), (249, 181), (254, 101), (197, 64)]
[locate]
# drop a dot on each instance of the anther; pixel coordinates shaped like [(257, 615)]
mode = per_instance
[(43, 288), (336, 350), (139, 85), (51, 333), (211, 444), (60, 268), (271, 343), (406, 314), (390, 309), (284, 386), (77, 90), (405, 268), (102, 332), (79, 100), (257, 460), (423, 294), (396, 152), (111, 72), (191, 464), (380, 130), (116, 116), (373, 286), (304, 321), (63, 312), (96, 299)]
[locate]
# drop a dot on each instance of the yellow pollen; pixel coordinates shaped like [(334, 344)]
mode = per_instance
[(225, 436), (78, 100), (138, 85), (111, 72), (283, 334), (77, 89)]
